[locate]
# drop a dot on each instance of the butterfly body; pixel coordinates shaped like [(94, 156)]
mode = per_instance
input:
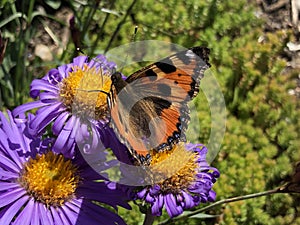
[(149, 109)]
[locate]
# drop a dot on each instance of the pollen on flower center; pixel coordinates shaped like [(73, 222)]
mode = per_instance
[(80, 92), (50, 179), (176, 169)]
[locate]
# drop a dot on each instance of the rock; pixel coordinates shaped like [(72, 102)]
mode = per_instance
[(43, 52)]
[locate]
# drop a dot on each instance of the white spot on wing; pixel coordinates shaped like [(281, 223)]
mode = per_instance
[(190, 54)]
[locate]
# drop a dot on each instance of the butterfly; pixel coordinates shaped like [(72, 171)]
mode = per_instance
[(149, 108)]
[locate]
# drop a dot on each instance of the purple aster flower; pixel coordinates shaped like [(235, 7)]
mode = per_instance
[(39, 186), (182, 180), (70, 98)]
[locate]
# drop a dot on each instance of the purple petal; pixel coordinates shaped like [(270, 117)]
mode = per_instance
[(95, 137), (149, 198), (7, 175), (82, 133), (5, 125), (13, 210), (9, 164), (93, 215), (216, 173), (60, 122), (17, 141), (48, 96), (27, 212), (63, 217), (156, 208), (40, 84), (155, 189), (141, 194), (172, 208), (44, 117), (66, 139), (212, 196), (188, 200), (74, 205), (69, 214), (26, 107), (45, 215), (6, 186), (11, 196), (80, 61), (64, 70), (56, 217), (35, 216), (53, 77), (61, 141)]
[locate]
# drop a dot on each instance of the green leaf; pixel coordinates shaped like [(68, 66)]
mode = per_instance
[(204, 216), (198, 216), (53, 4)]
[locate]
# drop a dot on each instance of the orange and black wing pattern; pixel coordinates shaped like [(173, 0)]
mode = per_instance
[(149, 110)]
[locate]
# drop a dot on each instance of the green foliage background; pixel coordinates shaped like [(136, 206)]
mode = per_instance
[(261, 144)]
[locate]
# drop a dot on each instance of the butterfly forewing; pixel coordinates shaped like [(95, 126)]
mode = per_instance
[(184, 69)]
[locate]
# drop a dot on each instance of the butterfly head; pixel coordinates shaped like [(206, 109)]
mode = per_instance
[(117, 82), (116, 77)]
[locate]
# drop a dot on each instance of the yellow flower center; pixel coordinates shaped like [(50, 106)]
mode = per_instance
[(81, 92), (175, 169), (50, 179)]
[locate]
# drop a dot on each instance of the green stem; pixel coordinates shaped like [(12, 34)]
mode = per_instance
[(100, 33), (120, 25), (20, 79), (30, 10), (90, 14), (223, 201), (149, 218)]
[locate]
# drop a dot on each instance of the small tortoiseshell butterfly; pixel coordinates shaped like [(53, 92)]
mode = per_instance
[(149, 109)]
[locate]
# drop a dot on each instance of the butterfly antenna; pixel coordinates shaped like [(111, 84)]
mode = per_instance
[(102, 79), (104, 92), (132, 40), (134, 33), (78, 49), (101, 65)]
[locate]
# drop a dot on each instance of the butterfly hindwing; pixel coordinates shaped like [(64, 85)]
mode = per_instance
[(149, 109)]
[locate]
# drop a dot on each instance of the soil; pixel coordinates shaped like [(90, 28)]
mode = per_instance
[(281, 15)]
